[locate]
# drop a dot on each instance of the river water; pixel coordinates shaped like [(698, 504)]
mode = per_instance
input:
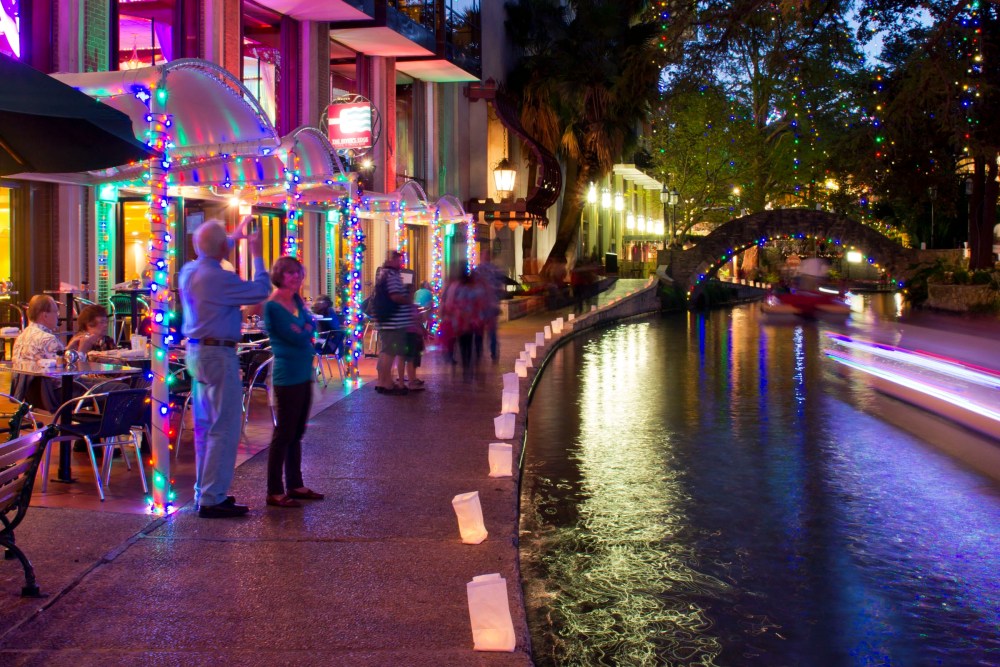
[(710, 489)]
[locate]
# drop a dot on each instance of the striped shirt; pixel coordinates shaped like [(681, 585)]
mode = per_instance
[(394, 284)]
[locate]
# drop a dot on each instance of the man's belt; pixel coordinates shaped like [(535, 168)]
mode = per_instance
[(212, 342)]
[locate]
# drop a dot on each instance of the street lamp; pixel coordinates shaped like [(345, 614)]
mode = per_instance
[(606, 206), (504, 176), (932, 193), (668, 196)]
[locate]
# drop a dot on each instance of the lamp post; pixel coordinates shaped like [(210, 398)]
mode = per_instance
[(619, 207), (606, 205), (932, 193), (668, 196)]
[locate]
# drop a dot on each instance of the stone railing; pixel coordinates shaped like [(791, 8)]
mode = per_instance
[(961, 298)]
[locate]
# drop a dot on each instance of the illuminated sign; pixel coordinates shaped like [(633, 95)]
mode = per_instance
[(10, 30), (350, 125)]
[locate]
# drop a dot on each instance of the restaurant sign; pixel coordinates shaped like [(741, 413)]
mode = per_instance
[(350, 125)]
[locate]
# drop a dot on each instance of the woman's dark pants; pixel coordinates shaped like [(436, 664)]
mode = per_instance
[(293, 403)]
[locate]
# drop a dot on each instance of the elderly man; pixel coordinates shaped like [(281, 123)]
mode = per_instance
[(211, 298), (36, 342)]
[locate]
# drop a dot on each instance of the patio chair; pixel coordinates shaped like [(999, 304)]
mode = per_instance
[(109, 422), (256, 366), (327, 349)]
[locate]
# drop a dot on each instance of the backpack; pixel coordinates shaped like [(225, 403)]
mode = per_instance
[(382, 302)]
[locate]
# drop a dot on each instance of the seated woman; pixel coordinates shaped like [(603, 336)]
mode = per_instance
[(92, 331), (36, 342), (330, 322)]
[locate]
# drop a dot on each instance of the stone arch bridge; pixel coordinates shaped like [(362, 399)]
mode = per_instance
[(689, 268)]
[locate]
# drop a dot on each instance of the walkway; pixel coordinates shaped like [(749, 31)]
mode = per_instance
[(373, 575)]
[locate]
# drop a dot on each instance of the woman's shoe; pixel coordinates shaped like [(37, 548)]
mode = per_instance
[(305, 494), (282, 501)]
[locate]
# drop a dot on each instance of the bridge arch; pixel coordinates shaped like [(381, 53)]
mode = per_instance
[(690, 268)]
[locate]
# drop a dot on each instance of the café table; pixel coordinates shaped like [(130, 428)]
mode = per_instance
[(127, 357), (133, 295), (69, 297), (65, 374)]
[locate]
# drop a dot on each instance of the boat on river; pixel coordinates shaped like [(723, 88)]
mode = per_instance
[(810, 304)]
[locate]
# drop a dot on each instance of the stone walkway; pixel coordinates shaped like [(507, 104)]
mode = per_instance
[(373, 575)]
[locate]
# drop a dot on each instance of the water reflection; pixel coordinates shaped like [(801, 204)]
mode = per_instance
[(706, 489)]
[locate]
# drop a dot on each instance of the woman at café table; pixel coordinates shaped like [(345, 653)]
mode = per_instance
[(92, 331), (38, 341), (291, 327)]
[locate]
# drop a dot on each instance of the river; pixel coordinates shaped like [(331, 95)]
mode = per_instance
[(710, 489)]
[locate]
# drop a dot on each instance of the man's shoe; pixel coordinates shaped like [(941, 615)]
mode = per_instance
[(224, 510), (231, 499)]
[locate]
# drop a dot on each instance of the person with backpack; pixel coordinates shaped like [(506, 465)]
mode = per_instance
[(391, 321)]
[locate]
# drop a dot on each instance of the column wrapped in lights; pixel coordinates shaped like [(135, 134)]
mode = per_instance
[(292, 211), (160, 260), (470, 242), (354, 238), (333, 217), (402, 245), (437, 269)]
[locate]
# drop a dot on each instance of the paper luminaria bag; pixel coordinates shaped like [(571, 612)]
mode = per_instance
[(526, 358), (521, 368), (470, 517), (531, 349), (501, 458), (540, 339), (510, 382), (509, 401), (504, 426), (547, 332), (489, 614)]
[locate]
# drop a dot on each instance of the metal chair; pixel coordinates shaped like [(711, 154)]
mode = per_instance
[(120, 306), (110, 423), (256, 366), (323, 354), (180, 392)]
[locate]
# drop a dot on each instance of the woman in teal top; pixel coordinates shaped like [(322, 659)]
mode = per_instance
[(290, 326)]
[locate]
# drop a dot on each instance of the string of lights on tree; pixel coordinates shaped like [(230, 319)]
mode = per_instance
[(293, 212), (354, 244), (437, 270)]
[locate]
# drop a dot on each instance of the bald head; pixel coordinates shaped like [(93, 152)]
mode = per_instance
[(210, 240)]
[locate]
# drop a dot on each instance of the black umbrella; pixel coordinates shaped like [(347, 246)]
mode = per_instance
[(47, 126)]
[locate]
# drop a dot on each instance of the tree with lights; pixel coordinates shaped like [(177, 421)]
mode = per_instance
[(938, 84)]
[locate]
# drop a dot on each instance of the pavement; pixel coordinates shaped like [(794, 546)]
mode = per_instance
[(374, 574)]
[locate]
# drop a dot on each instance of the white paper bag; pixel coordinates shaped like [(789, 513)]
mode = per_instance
[(470, 517), (501, 459), (489, 614), (557, 325), (531, 349), (526, 358), (504, 426), (539, 339), (593, 308), (571, 317), (510, 382), (547, 332), (509, 401), (520, 368)]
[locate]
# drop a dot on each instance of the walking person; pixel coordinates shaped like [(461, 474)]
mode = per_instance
[(290, 326), (391, 320), (211, 298)]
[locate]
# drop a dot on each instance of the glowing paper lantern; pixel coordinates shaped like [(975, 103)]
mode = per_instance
[(539, 340), (520, 368), (509, 401), (593, 308), (510, 382), (501, 459), (547, 331), (503, 426), (489, 614), (531, 349), (571, 317), (526, 358), (557, 325), (470, 517)]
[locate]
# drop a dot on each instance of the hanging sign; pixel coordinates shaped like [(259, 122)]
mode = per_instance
[(350, 125)]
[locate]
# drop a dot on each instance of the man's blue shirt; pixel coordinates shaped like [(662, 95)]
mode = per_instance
[(211, 297)]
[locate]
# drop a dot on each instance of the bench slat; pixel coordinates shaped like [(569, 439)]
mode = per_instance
[(10, 493), (11, 474), (21, 450)]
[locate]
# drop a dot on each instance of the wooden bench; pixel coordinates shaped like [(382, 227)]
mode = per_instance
[(19, 459)]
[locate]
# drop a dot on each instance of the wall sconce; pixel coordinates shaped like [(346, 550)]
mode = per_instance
[(630, 221), (504, 177), (592, 194), (640, 224), (619, 201), (605, 198)]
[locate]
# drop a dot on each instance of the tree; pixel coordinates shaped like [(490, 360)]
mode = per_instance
[(787, 73), (939, 85), (587, 74)]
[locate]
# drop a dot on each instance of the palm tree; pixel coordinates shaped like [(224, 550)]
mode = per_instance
[(587, 76)]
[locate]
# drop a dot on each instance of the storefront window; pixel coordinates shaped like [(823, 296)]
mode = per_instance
[(260, 71), (133, 240), (5, 216), (10, 26), (144, 33)]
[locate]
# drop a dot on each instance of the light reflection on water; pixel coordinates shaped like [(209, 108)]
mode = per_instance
[(707, 490)]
